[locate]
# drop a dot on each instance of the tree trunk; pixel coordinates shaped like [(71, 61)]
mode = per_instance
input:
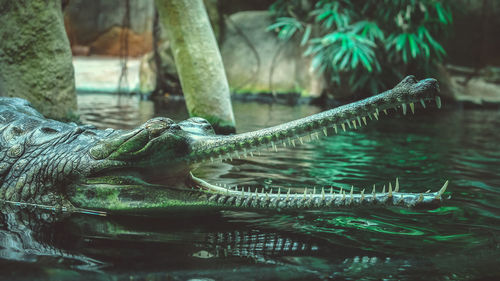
[(35, 57), (198, 61)]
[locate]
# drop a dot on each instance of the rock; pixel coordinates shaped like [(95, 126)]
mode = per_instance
[(99, 25), (35, 57), (257, 62), (465, 86)]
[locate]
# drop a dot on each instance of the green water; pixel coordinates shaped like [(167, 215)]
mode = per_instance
[(458, 241)]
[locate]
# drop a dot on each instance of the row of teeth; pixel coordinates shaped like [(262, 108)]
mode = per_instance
[(235, 191), (359, 121)]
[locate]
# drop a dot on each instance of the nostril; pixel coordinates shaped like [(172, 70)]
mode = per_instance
[(175, 127)]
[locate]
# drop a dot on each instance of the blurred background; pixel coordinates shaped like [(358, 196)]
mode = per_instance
[(285, 50)]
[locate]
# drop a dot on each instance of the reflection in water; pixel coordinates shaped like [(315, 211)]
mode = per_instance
[(457, 241)]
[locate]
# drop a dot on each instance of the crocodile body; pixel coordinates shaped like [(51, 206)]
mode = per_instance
[(50, 163)]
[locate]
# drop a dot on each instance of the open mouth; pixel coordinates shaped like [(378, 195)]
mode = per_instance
[(405, 97)]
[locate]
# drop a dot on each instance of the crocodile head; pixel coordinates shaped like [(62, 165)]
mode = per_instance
[(149, 168)]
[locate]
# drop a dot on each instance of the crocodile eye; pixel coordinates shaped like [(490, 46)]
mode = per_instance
[(158, 125)]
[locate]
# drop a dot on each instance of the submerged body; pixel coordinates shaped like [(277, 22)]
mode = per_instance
[(49, 163)]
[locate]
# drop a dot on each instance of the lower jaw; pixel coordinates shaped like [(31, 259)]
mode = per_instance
[(232, 197)]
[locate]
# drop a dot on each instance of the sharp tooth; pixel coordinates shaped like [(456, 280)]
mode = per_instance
[(293, 143), (271, 191), (374, 194), (376, 115), (359, 121), (331, 190), (442, 190), (322, 194), (301, 141), (284, 144), (438, 102), (242, 191), (370, 116), (352, 191), (412, 107), (274, 147), (305, 192), (230, 158), (385, 111), (314, 190), (364, 120), (262, 190), (288, 194), (428, 191), (383, 189), (267, 197), (324, 132), (390, 190), (251, 153), (343, 195), (420, 198), (403, 105), (376, 111), (349, 124), (362, 195), (256, 193), (422, 102), (343, 127), (354, 123), (335, 127), (396, 189)]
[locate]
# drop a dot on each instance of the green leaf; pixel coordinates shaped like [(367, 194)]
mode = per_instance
[(413, 46), (355, 59), (345, 62), (401, 42), (306, 35), (442, 14), (338, 56), (366, 62)]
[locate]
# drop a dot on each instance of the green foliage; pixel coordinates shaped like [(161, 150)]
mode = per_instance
[(366, 43)]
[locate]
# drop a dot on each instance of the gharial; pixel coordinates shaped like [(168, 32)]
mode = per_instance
[(50, 163)]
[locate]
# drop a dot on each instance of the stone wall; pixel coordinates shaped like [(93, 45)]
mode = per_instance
[(95, 26), (35, 58)]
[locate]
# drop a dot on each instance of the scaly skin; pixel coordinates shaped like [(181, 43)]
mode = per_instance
[(49, 163)]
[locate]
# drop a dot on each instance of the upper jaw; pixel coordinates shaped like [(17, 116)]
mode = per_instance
[(405, 94)]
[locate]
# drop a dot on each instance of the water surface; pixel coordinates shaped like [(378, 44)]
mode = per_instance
[(457, 241)]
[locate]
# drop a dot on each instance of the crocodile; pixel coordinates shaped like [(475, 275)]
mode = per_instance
[(79, 167)]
